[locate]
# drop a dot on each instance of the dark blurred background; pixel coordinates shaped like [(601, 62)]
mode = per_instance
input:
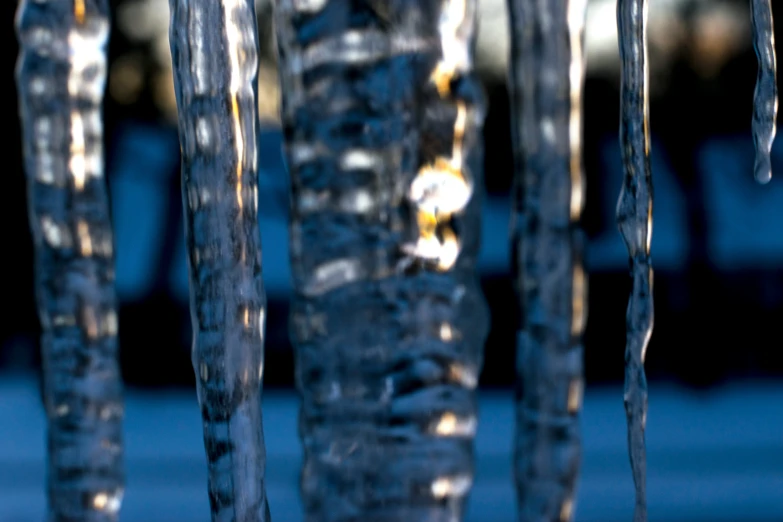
[(717, 246)]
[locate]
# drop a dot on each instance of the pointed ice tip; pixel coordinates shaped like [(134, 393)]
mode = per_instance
[(763, 177), (763, 172)]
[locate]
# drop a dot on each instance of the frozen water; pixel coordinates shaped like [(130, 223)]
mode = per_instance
[(382, 118), (546, 80), (634, 219), (214, 50), (60, 77), (765, 99)]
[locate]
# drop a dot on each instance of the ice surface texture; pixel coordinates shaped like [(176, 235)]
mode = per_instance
[(546, 81), (214, 48), (382, 117), (765, 99), (634, 219), (60, 78)]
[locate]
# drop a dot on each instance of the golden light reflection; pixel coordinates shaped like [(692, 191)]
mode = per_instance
[(648, 333), (239, 148), (450, 425), (455, 54), (567, 510), (234, 38), (441, 189), (460, 123), (575, 393), (446, 333), (576, 23), (447, 424), (578, 306), (79, 11), (449, 250), (85, 240), (465, 375), (458, 486), (100, 501), (90, 322), (108, 502), (441, 77)]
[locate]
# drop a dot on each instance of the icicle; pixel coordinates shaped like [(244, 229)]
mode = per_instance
[(214, 50), (60, 78), (634, 219), (546, 79), (765, 99), (383, 119)]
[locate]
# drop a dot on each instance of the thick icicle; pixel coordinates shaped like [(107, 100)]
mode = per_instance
[(634, 219), (60, 77), (214, 53), (765, 99), (383, 117), (546, 79)]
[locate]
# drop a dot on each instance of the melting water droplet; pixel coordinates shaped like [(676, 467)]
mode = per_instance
[(383, 117), (60, 78), (765, 98), (546, 81), (214, 48), (634, 219)]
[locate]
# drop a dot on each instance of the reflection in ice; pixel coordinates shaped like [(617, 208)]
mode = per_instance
[(546, 80), (765, 99), (634, 219), (60, 78), (382, 118), (214, 51)]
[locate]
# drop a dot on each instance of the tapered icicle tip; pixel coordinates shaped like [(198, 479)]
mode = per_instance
[(765, 97), (763, 169)]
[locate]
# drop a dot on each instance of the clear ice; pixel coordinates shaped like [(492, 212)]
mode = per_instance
[(546, 80), (765, 99), (214, 48), (634, 219), (382, 116), (61, 75)]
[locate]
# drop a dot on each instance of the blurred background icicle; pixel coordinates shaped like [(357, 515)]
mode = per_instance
[(61, 75), (634, 219), (214, 49), (765, 99), (382, 116), (546, 79)]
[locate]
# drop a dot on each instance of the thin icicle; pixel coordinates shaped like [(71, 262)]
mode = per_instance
[(60, 77), (765, 99), (214, 53), (634, 219), (382, 114), (546, 80)]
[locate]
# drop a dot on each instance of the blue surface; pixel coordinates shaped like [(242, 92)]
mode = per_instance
[(712, 458), (743, 216), (145, 159)]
